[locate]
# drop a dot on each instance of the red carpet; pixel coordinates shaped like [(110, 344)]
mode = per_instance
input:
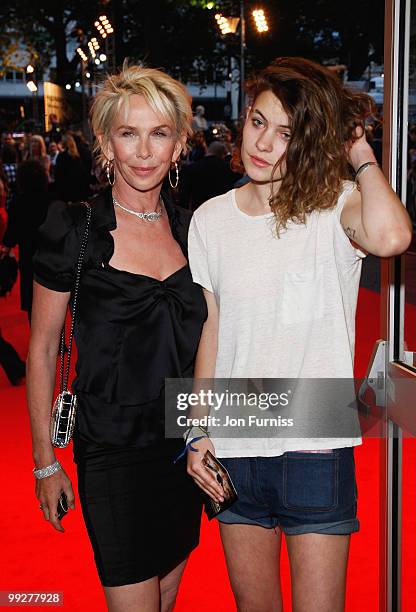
[(36, 558)]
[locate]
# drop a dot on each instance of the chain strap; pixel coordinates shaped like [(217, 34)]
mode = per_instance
[(64, 378)]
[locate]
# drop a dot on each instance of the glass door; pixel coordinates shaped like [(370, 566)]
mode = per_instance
[(398, 322)]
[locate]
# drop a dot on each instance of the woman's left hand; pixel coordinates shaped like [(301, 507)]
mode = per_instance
[(359, 152)]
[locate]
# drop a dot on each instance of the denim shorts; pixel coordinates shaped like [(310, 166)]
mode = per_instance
[(299, 492)]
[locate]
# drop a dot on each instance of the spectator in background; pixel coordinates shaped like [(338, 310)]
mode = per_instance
[(8, 139), (53, 151), (199, 122), (198, 146), (20, 145), (84, 150), (3, 198), (72, 178), (229, 142), (37, 152), (27, 212), (206, 178), (10, 361), (55, 133), (9, 159)]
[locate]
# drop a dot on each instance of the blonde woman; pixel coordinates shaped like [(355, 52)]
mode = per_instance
[(139, 321), (37, 151)]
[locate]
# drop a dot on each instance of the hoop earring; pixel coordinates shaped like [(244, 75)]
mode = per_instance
[(109, 167), (176, 177)]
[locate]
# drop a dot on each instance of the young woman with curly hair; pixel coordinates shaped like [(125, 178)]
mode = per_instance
[(280, 260)]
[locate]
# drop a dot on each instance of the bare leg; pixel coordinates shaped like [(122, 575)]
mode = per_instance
[(151, 595), (169, 585), (318, 565), (252, 554), (139, 597)]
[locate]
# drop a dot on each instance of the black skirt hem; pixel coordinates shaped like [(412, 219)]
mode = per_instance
[(164, 572)]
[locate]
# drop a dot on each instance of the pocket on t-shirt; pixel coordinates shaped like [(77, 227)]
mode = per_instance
[(303, 296)]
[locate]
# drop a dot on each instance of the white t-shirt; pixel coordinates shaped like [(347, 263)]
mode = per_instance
[(286, 305)]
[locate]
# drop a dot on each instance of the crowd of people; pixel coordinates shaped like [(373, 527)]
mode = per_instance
[(261, 282)]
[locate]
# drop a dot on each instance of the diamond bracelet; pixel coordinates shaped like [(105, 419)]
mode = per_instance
[(47, 471)]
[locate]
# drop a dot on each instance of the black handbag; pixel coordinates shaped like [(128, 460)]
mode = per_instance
[(65, 405)]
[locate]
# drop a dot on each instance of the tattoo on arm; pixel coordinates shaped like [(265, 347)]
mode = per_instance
[(350, 232)]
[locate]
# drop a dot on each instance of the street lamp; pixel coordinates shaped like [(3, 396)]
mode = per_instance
[(82, 54), (31, 78), (93, 46), (105, 30), (31, 85), (260, 20), (104, 26), (228, 25)]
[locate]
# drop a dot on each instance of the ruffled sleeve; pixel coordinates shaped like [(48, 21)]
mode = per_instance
[(55, 260)]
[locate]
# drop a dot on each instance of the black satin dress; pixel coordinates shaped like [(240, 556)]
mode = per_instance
[(141, 510)]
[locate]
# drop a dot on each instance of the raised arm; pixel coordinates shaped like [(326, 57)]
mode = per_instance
[(49, 309), (374, 217)]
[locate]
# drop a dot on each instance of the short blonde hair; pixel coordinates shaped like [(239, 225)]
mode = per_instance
[(166, 96)]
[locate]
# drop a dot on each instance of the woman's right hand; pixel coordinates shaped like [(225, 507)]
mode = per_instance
[(48, 491), (203, 477)]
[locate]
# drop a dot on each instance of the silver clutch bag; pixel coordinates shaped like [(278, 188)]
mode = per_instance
[(63, 419), (65, 406)]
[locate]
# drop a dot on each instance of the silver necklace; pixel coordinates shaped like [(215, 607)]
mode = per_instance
[(146, 216)]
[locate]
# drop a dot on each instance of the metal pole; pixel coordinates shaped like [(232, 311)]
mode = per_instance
[(84, 114), (242, 52), (36, 109)]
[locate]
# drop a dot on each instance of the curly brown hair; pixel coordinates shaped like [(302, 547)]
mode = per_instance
[(323, 115)]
